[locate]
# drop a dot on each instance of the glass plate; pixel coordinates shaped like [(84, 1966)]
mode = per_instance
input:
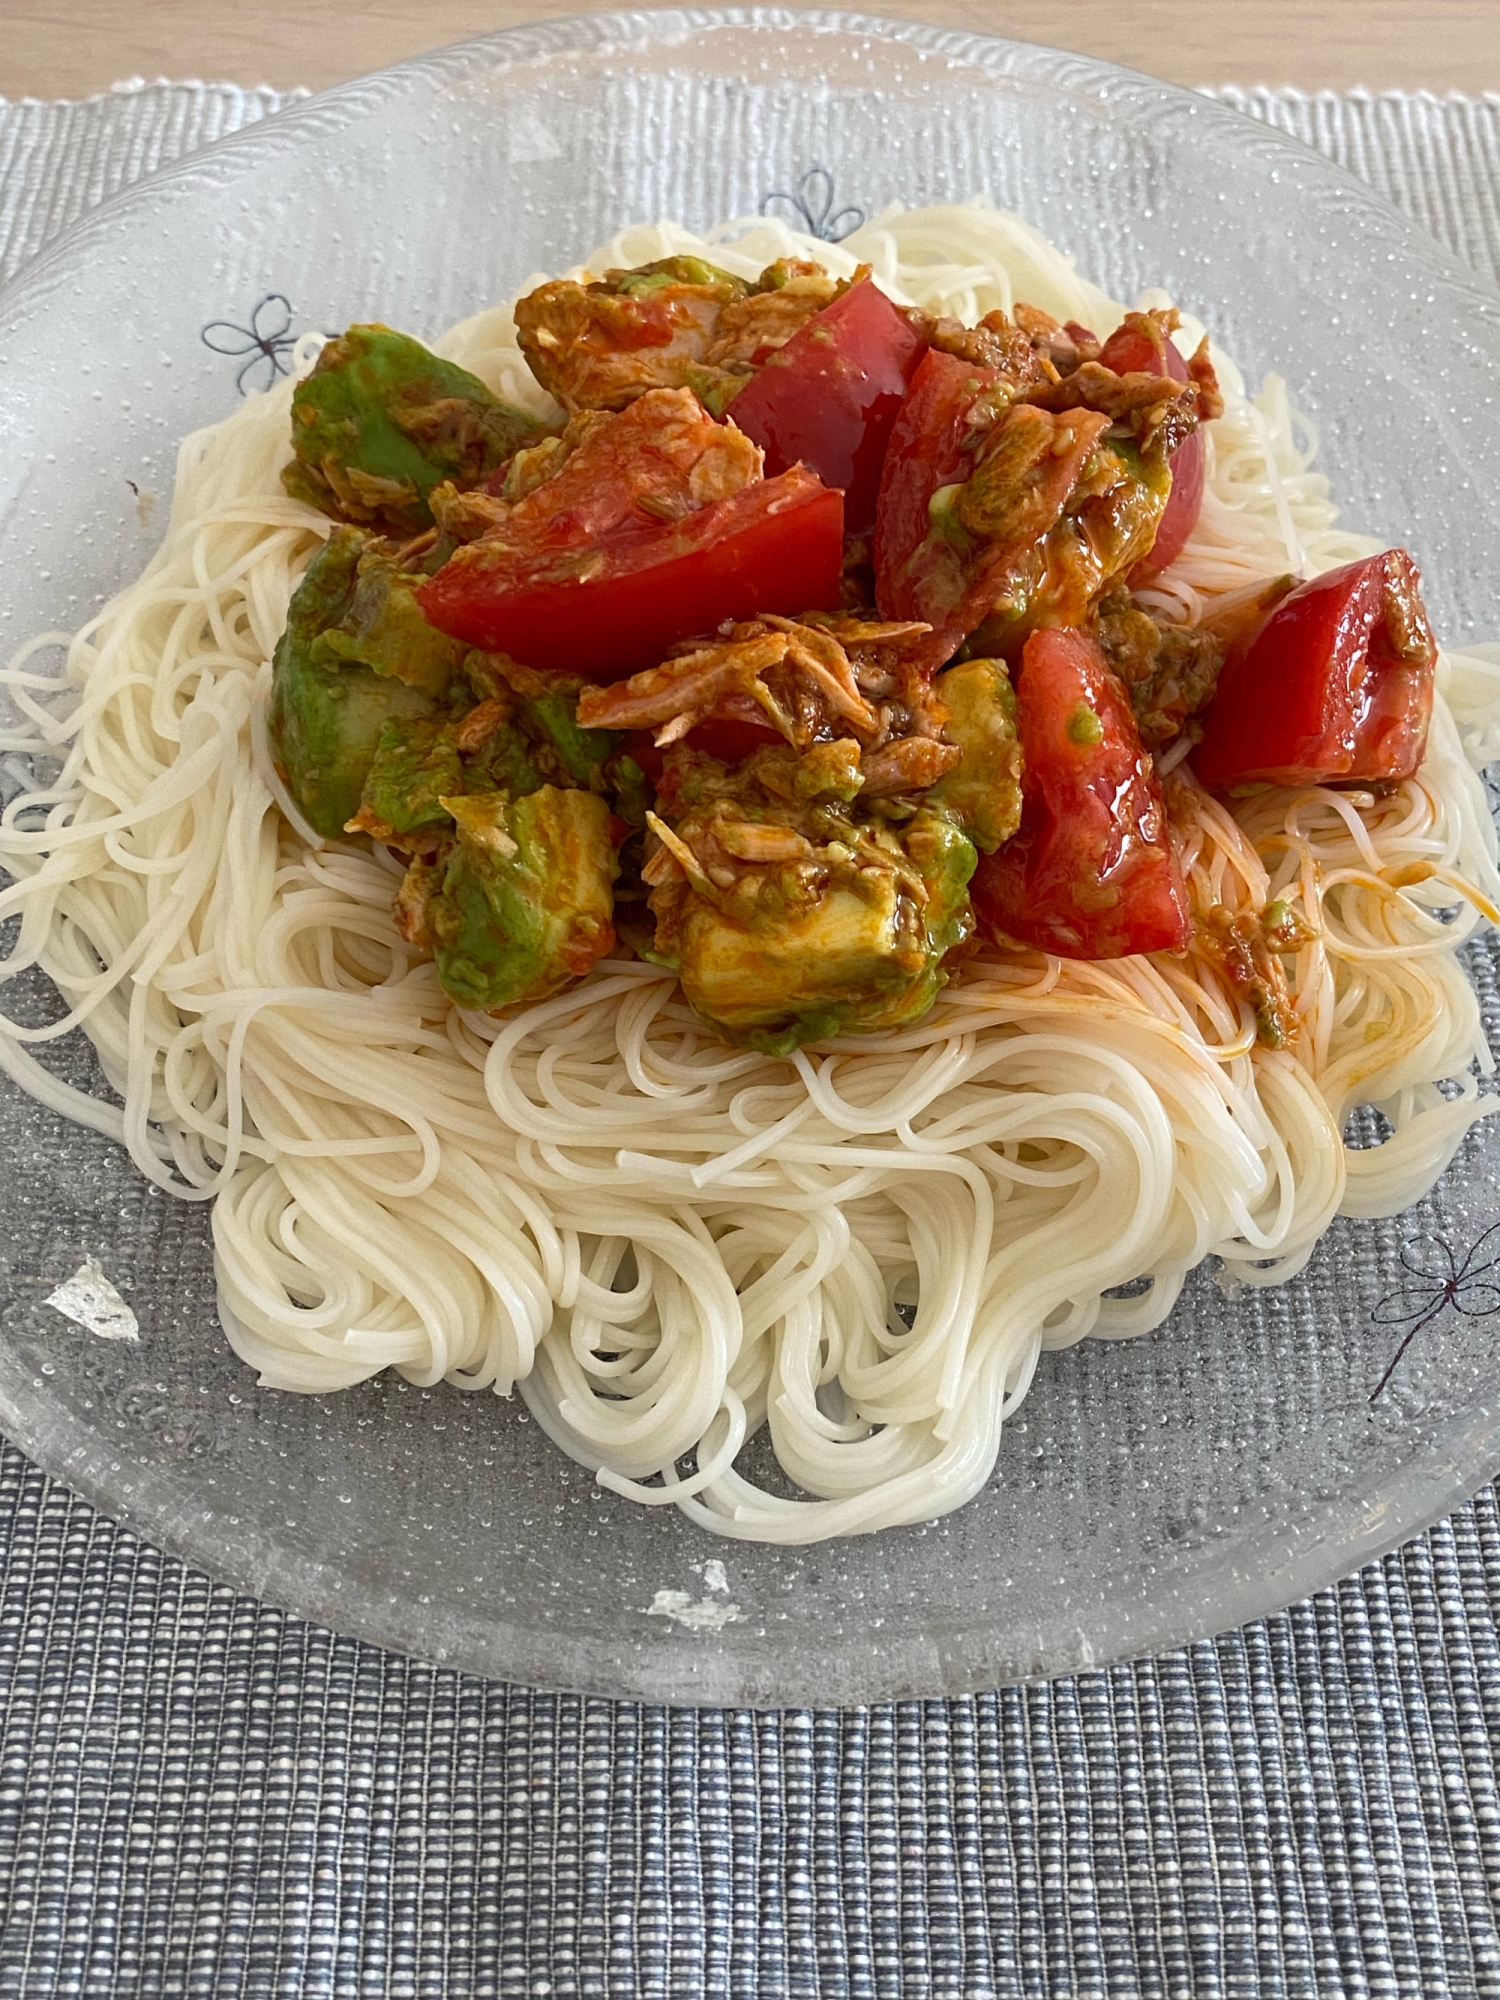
[(1148, 1493)]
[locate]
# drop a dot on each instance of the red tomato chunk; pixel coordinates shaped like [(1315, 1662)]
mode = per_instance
[(1128, 349), (830, 396), (1091, 873), (917, 573), (617, 606), (1337, 684)]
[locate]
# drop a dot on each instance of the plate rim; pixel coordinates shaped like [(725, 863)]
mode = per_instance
[(533, 40), (1334, 1541)]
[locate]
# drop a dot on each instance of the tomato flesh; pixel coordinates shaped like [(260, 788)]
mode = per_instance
[(1091, 872), (1017, 560), (656, 460), (831, 395), (1338, 683), (927, 450), (613, 605), (1129, 351), (916, 575)]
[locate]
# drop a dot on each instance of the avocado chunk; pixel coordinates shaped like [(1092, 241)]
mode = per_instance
[(381, 421), (416, 765), (983, 790), (631, 791), (502, 763), (355, 656), (526, 898), (551, 720), (381, 627), (545, 709), (864, 952), (644, 279)]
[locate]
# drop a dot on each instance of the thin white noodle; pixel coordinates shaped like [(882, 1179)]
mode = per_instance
[(666, 1243)]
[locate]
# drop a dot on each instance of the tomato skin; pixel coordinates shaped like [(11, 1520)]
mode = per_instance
[(932, 564), (619, 605), (1184, 505), (831, 394), (1338, 683), (1127, 351), (1091, 873), (926, 451)]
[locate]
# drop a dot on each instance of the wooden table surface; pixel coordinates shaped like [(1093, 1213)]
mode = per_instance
[(68, 48)]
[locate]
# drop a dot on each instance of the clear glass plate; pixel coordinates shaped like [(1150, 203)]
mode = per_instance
[(1148, 1493)]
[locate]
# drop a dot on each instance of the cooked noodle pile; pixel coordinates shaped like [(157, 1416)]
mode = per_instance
[(664, 1242)]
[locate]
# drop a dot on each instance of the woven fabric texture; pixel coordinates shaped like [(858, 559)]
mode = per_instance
[(202, 1797)]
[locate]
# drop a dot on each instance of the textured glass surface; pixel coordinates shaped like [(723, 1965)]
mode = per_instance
[(1148, 1492)]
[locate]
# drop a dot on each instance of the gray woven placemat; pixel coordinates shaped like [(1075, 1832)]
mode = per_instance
[(200, 1796)]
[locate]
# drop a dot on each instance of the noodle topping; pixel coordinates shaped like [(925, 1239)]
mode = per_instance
[(793, 811)]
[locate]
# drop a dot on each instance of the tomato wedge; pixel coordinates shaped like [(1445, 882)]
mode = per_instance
[(1130, 350), (615, 605), (931, 446), (975, 483), (1091, 873), (1338, 683), (830, 396)]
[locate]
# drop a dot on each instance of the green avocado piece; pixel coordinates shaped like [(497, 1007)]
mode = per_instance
[(866, 954), (982, 791), (546, 714), (415, 767), (381, 420), (644, 279), (552, 719), (337, 683), (503, 764), (328, 709), (526, 898), (382, 627), (716, 388), (631, 791), (946, 859)]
